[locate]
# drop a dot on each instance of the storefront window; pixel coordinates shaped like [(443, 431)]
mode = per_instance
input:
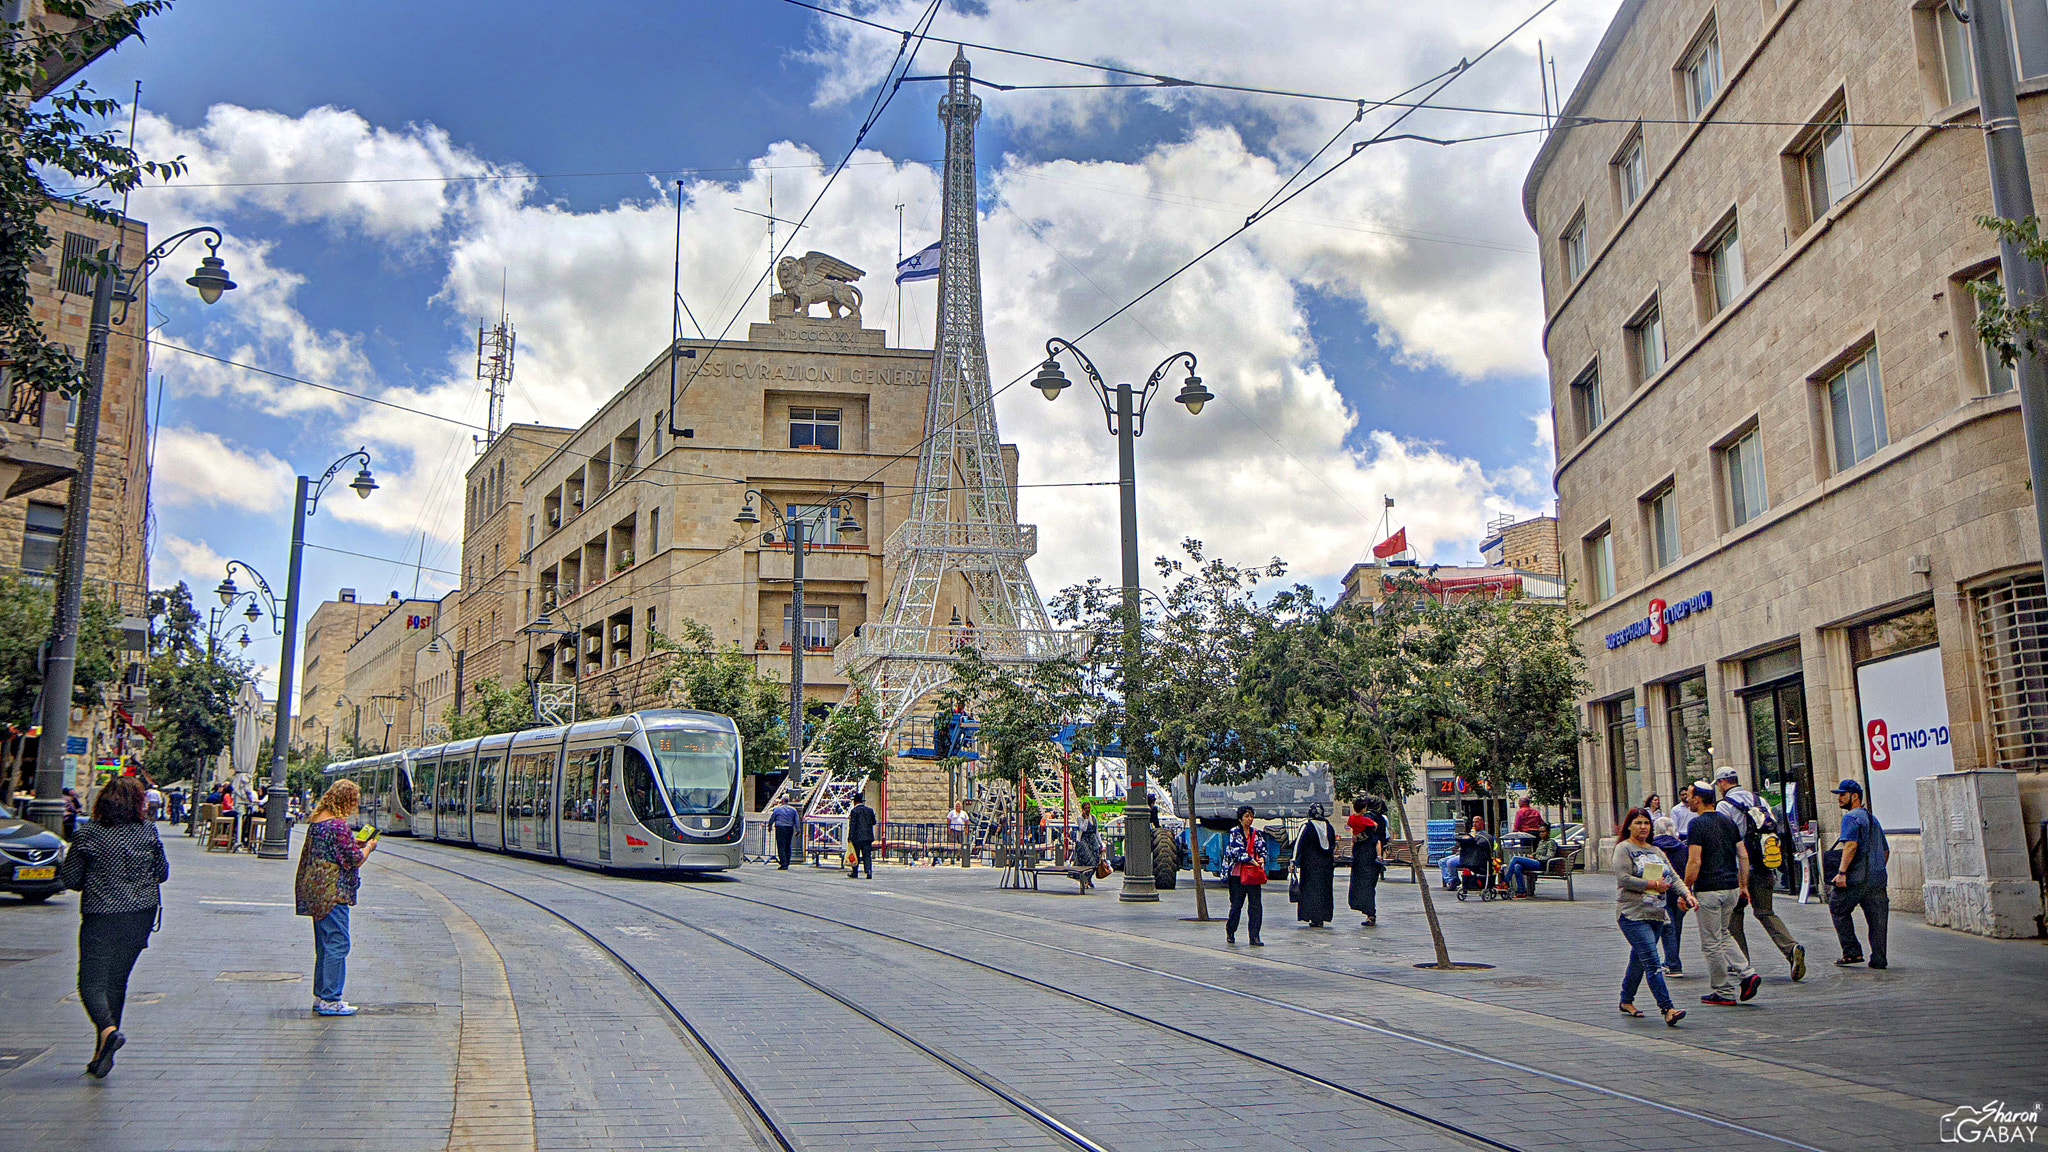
[(1892, 635), (1692, 744), (1624, 766)]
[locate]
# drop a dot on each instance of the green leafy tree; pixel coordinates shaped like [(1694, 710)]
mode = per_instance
[(703, 673), (1521, 674), (1376, 690), (71, 137), (491, 708), (1017, 714), (851, 741), (2005, 328), (191, 691), (26, 605)]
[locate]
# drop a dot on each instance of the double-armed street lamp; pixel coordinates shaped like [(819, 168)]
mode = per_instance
[(798, 526), (276, 843), (260, 601), (1124, 408), (60, 655)]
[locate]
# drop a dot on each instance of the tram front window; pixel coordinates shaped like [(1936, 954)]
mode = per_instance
[(696, 769)]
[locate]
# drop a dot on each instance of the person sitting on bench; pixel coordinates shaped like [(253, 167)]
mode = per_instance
[(1523, 870)]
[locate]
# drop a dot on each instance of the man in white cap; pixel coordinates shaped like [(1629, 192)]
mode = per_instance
[(1753, 820)]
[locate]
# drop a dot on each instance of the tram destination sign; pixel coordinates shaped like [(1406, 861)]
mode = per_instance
[(1657, 623)]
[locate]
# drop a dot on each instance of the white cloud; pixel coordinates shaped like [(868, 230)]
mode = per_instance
[(199, 469)]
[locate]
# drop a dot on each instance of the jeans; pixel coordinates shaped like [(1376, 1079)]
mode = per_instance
[(784, 835), (1725, 959), (1762, 882), (1449, 867), (1240, 895), (330, 953), (1877, 909), (1643, 937), (864, 857), (108, 944), (1521, 866), (1673, 924)]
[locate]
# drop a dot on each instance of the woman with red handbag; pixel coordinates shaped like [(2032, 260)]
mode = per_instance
[(1244, 865)]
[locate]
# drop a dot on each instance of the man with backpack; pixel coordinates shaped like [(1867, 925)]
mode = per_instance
[(1766, 848)]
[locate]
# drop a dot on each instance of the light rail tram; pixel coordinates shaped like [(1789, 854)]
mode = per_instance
[(657, 789)]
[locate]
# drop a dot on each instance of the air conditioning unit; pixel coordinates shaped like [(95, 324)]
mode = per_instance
[(621, 633), (596, 646)]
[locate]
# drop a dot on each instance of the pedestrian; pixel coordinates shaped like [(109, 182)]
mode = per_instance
[(1527, 818), (1681, 814), (1314, 869), (155, 800), (177, 804), (1643, 880), (784, 818), (1368, 824), (1717, 870), (330, 873), (1523, 870), (1754, 821), (860, 836), (1666, 839), (1087, 848), (1859, 879), (118, 865), (72, 807), (956, 829), (1654, 805), (1244, 864)]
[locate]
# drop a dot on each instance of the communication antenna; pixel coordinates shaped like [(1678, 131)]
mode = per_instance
[(494, 347)]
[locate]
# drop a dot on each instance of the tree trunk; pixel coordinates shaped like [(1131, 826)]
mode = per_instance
[(1195, 847), (1416, 859)]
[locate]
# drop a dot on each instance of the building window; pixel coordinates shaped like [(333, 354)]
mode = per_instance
[(1692, 741), (1646, 342), (1721, 262), (1587, 402), (1905, 632), (1856, 412), (1830, 170), (1700, 73), (814, 428), (1600, 564), (1744, 460), (653, 530), (71, 275), (1624, 768), (2012, 631), (1632, 172), (41, 536), (1997, 373), (821, 627), (1661, 508), (1573, 242), (1959, 69), (821, 523)]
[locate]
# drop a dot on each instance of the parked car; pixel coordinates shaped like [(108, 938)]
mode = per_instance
[(1571, 836), (29, 854)]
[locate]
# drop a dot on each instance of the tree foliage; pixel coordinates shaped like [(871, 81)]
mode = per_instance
[(721, 678), (70, 136), (2005, 328), (1521, 674), (26, 606), (191, 691), (851, 740), (1017, 711), (491, 708)]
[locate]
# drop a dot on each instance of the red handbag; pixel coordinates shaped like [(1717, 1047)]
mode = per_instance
[(1252, 871)]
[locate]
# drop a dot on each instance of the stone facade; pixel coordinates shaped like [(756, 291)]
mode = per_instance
[(1528, 545), (494, 576), (380, 668), (328, 714), (433, 671), (1791, 464)]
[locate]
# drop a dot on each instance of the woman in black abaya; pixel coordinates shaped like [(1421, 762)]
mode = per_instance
[(1315, 865)]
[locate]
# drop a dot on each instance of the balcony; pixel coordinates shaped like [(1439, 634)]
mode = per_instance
[(973, 546), (821, 562), (27, 462)]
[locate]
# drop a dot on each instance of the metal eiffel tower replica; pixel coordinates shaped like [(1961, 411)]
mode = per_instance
[(961, 545)]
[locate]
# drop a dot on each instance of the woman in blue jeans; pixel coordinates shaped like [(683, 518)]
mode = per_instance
[(329, 875), (1642, 876)]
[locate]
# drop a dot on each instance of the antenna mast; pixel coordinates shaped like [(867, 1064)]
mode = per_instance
[(494, 347)]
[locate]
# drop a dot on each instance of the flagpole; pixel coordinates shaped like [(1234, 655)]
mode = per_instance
[(899, 272)]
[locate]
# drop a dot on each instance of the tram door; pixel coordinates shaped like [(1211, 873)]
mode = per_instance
[(604, 807), (425, 777), (545, 765)]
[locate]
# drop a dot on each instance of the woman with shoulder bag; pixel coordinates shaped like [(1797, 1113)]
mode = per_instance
[(1311, 880), (118, 864), (1244, 865), (1088, 849), (329, 875)]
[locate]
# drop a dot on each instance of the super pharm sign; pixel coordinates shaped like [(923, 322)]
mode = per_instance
[(1657, 625)]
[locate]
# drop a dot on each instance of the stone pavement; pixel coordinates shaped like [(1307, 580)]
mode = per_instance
[(491, 1023)]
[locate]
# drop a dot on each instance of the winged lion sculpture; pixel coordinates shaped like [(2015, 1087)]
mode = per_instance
[(815, 278)]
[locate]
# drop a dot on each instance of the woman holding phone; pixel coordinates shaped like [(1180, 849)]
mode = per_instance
[(329, 875)]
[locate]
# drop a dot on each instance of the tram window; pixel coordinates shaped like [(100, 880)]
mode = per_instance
[(457, 788), (640, 790), (404, 779), (697, 768), (578, 782), (487, 784), (543, 785)]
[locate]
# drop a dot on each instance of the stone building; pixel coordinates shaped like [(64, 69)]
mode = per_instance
[(433, 670), (1792, 489), (494, 547), (327, 713), (1526, 545), (379, 672)]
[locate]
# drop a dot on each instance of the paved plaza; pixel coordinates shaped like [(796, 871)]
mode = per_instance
[(508, 1004)]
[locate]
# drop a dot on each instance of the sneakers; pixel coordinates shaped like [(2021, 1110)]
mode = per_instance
[(1848, 961), (1798, 959), (1674, 973), (1715, 998), (333, 1008), (1750, 984)]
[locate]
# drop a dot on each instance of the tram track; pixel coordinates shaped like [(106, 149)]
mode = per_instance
[(1457, 1132), (773, 1130)]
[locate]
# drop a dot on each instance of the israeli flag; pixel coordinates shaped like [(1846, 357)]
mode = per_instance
[(922, 266)]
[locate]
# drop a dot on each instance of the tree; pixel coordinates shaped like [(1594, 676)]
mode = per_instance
[(2007, 328), (721, 678), (1521, 676), (1017, 714), (1374, 688), (492, 709), (191, 691), (851, 741), (26, 604), (49, 137)]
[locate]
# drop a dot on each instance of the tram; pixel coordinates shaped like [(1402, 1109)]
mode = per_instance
[(658, 789)]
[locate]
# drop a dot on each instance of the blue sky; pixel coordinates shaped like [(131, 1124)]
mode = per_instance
[(1378, 336)]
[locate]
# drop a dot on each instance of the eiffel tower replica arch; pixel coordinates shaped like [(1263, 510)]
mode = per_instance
[(960, 550)]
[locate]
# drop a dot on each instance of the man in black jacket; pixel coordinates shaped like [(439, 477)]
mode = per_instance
[(860, 836)]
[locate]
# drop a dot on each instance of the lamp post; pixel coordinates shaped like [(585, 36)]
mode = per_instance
[(60, 659), (544, 625), (259, 599), (276, 837), (387, 713), (797, 526), (434, 646), (1124, 408)]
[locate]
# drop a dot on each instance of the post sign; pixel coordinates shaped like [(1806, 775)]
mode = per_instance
[(1905, 733)]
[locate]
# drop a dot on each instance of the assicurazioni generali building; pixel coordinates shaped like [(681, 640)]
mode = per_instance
[(1791, 489)]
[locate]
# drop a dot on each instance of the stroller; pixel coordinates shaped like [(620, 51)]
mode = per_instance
[(1487, 879)]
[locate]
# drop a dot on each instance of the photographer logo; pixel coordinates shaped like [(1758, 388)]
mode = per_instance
[(1994, 1123)]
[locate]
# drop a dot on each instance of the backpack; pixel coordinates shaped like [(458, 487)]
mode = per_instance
[(1759, 820)]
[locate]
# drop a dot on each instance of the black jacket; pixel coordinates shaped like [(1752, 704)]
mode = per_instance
[(860, 824)]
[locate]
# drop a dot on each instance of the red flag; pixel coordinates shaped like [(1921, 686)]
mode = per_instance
[(1392, 546)]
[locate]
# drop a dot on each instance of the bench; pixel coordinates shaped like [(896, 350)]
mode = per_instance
[(1560, 865), (1078, 875), (1405, 854)]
